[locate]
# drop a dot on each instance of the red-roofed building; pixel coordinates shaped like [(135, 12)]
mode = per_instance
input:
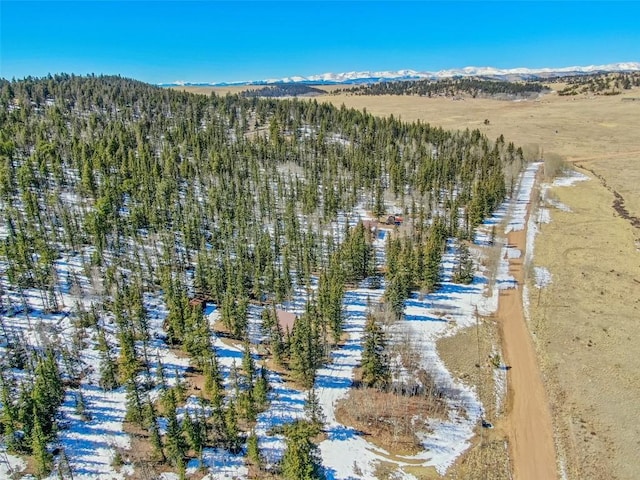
[(394, 220)]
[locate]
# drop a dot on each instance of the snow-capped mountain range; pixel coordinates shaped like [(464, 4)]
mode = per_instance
[(485, 72)]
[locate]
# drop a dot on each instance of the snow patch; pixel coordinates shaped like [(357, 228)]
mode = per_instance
[(570, 178), (526, 302), (542, 276), (544, 216), (222, 465), (10, 464), (513, 252), (504, 280), (500, 384), (559, 205), (90, 444), (523, 198)]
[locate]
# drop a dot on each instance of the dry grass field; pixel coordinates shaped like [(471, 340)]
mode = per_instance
[(585, 324)]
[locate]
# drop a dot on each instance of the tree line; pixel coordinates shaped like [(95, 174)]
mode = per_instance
[(449, 87)]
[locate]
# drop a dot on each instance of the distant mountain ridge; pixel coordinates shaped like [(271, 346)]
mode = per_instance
[(348, 78)]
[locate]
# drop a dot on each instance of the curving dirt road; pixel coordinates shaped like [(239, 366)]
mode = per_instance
[(528, 422)]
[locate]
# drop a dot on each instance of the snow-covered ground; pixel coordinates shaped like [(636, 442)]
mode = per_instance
[(569, 178), (427, 318), (518, 214), (333, 383), (542, 276), (91, 443), (10, 464)]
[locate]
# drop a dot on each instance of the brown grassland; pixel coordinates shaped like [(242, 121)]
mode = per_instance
[(585, 323)]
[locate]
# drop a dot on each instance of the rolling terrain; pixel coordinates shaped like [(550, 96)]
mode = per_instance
[(151, 241), (576, 314), (595, 291)]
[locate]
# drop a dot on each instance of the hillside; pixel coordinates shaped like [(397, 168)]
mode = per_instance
[(472, 87), (149, 238), (283, 90), (599, 84)]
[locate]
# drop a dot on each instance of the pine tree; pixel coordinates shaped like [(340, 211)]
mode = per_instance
[(248, 364), (128, 363), (305, 347), (43, 459), (64, 466), (26, 406), (375, 364), (232, 433), (313, 409), (161, 380), (8, 413), (253, 451), (433, 256), (395, 295), (464, 270), (272, 330), (241, 320), (246, 405), (194, 433), (330, 295), (47, 393), (151, 422), (134, 411), (176, 320), (213, 380), (301, 460), (217, 420), (261, 390), (175, 444), (81, 407)]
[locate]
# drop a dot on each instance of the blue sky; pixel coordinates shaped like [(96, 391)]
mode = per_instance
[(227, 41)]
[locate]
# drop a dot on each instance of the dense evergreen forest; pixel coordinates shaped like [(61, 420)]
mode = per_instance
[(283, 90), (229, 200), (450, 87)]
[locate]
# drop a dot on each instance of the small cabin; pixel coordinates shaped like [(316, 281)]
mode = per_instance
[(394, 220), (286, 320)]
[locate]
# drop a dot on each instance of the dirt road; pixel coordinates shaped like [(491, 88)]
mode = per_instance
[(528, 421)]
